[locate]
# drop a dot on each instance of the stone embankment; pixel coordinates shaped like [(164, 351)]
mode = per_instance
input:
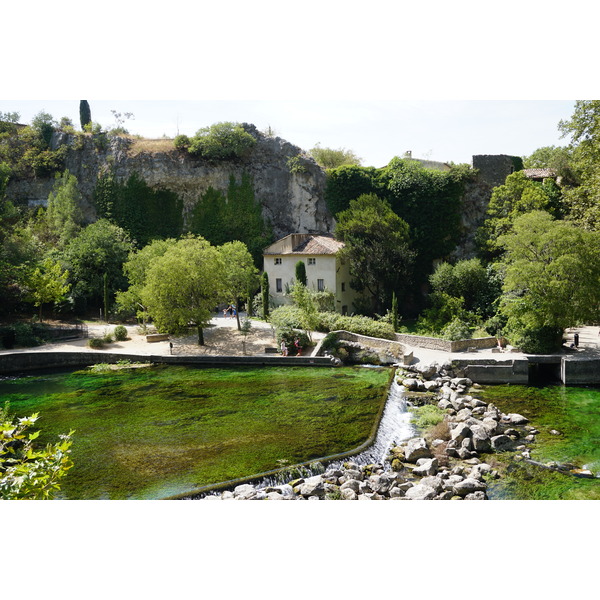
[(447, 465)]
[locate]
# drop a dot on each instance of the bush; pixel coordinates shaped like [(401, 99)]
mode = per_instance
[(221, 141), (120, 333), (457, 330), (96, 343), (289, 336), (332, 321), (540, 340), (286, 317)]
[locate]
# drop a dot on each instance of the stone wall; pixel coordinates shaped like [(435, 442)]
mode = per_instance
[(432, 343), (30, 361)]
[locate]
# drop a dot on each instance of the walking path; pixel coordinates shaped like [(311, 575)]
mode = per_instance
[(223, 338)]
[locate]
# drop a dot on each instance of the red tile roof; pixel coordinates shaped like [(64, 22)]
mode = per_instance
[(318, 244)]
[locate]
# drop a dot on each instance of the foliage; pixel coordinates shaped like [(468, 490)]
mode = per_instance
[(63, 218), (518, 195), (289, 336), (184, 285), (582, 196), (120, 333), (347, 183), (98, 249), (426, 416), (135, 269), (333, 321), (295, 164), (96, 343), (237, 215), (552, 275), (395, 311), (300, 271), (457, 330), (221, 141), (264, 287), (26, 150), (27, 472), (240, 274), (85, 114), (377, 246), (328, 158), (46, 283), (287, 316), (145, 213)]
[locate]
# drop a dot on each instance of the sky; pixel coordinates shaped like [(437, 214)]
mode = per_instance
[(375, 130)]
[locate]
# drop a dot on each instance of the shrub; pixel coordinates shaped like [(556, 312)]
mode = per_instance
[(286, 317), (96, 343), (457, 330), (120, 333), (331, 321), (221, 141), (289, 336), (182, 142)]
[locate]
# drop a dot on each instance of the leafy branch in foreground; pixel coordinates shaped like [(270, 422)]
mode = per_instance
[(28, 473)]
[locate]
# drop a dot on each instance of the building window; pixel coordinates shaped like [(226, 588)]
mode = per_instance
[(312, 261), (277, 261), (321, 285), (343, 286), (278, 285)]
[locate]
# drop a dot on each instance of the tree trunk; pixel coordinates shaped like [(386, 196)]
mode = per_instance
[(237, 313), (200, 336)]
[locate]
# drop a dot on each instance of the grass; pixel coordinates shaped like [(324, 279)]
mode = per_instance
[(161, 431)]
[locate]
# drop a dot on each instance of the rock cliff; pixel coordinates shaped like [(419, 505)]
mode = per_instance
[(292, 199)]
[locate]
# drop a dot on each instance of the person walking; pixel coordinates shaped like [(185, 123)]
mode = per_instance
[(576, 340), (284, 350)]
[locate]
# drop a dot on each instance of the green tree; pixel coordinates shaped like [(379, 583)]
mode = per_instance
[(64, 216), (46, 283), (301, 272), (583, 195), (377, 247), (552, 278), (99, 248), (27, 472), (347, 183), (518, 195), (135, 269), (264, 290), (240, 273), (44, 125), (184, 285), (85, 114), (328, 158)]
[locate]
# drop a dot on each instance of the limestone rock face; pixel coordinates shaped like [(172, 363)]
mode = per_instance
[(292, 201)]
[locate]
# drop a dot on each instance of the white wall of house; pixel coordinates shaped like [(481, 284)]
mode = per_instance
[(323, 272)]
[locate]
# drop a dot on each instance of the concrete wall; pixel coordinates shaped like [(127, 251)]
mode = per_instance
[(580, 372)]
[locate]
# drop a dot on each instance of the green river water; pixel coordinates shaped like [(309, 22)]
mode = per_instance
[(155, 432)]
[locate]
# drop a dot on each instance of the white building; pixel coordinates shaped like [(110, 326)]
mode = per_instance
[(324, 268)]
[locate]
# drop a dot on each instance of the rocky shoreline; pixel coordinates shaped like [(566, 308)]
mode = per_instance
[(447, 466)]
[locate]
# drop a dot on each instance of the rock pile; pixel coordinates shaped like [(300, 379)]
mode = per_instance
[(417, 469)]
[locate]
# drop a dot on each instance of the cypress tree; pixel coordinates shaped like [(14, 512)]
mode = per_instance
[(301, 272), (85, 113), (264, 288), (394, 311)]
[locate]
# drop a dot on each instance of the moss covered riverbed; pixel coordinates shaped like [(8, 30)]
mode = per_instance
[(568, 422), (159, 431)]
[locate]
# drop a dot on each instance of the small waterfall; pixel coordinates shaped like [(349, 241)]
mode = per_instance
[(394, 428)]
